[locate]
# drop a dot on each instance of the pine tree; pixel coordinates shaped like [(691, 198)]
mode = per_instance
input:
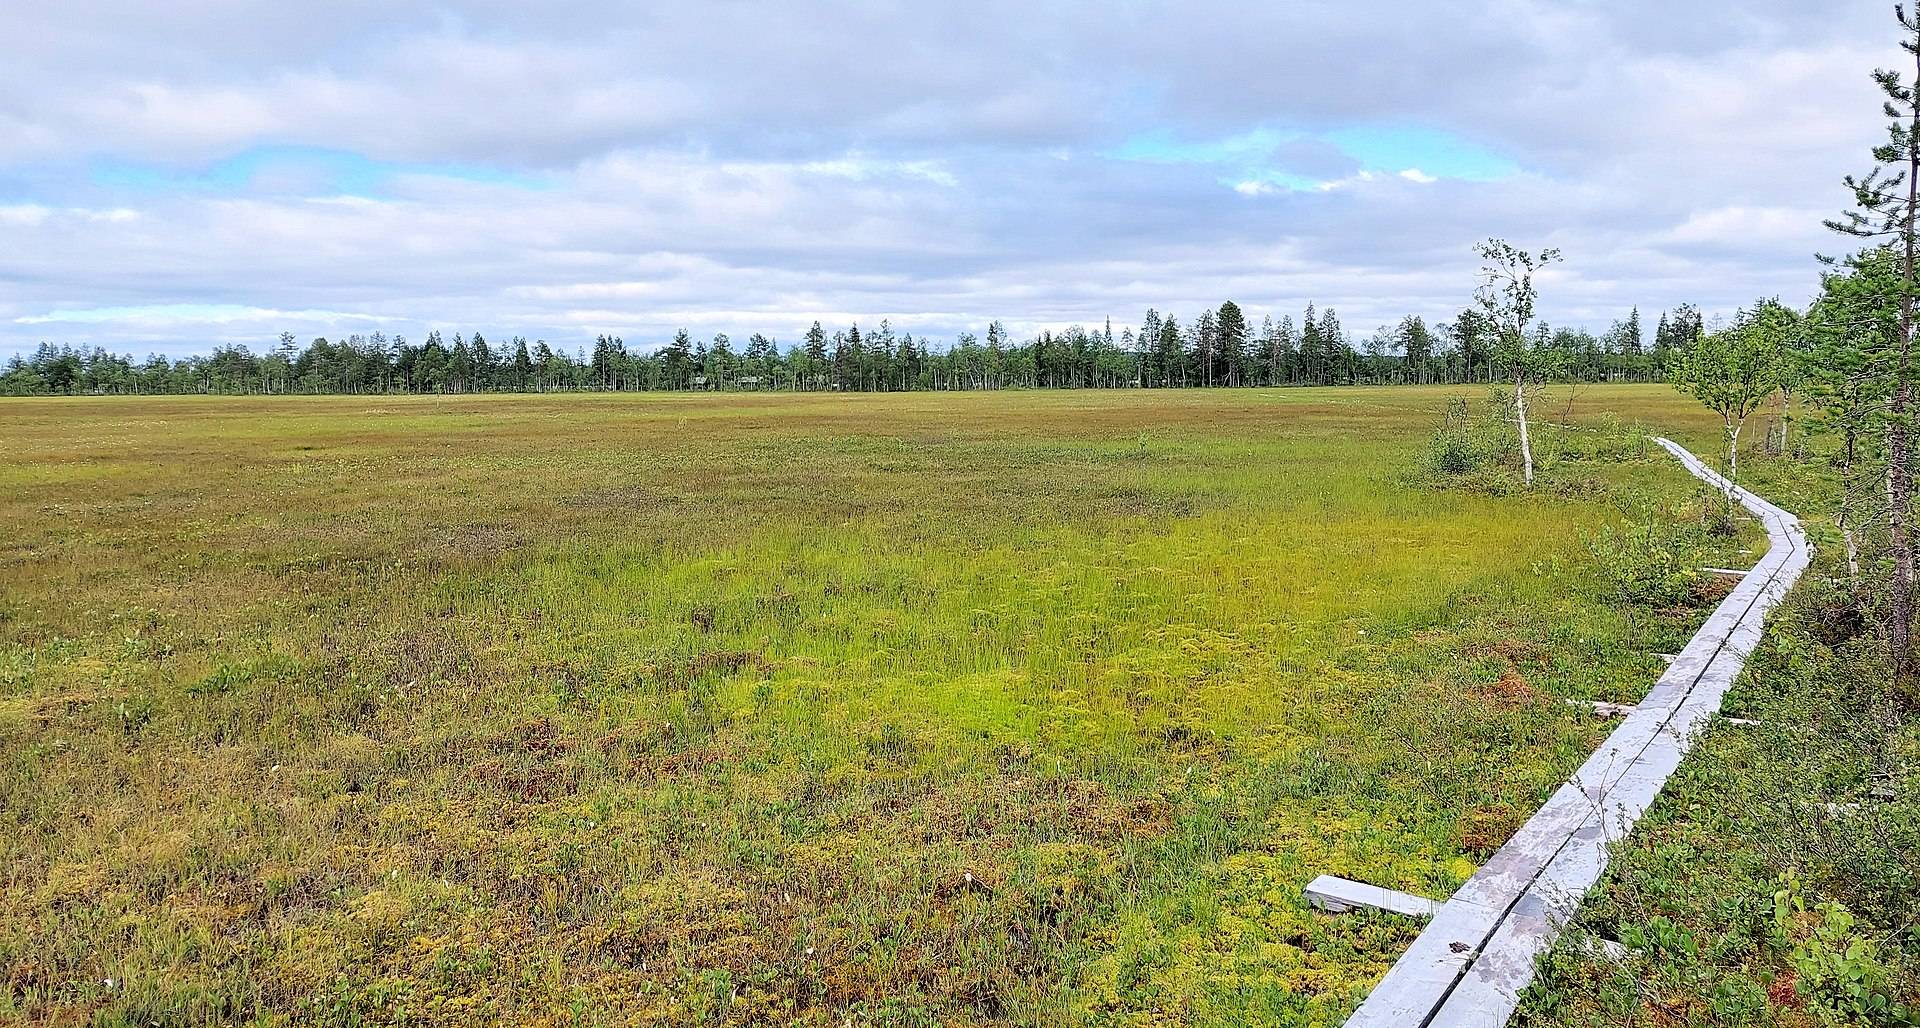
[(1887, 202)]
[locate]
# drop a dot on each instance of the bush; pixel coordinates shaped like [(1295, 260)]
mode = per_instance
[(1654, 563), (1470, 451), (1480, 450), (1836, 961)]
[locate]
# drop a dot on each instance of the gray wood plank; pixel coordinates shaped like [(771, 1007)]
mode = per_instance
[(1339, 895)]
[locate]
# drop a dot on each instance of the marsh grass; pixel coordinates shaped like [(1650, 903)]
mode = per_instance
[(918, 709)]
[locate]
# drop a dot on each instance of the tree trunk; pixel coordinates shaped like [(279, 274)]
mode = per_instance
[(1526, 442), (1786, 420), (1899, 497), (1733, 463), (1899, 480), (1846, 512)]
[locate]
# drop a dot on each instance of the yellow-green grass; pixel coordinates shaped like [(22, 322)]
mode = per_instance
[(961, 709)]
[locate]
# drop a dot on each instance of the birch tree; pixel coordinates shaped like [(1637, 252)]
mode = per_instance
[(1735, 371), (1507, 296)]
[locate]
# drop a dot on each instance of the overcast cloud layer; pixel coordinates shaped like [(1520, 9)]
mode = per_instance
[(175, 176)]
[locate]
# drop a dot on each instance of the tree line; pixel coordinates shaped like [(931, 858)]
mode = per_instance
[(1218, 348)]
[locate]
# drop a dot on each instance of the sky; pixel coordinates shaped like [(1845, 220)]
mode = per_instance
[(203, 172)]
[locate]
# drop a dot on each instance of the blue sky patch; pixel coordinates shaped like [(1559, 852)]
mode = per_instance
[(1440, 154), (1295, 160)]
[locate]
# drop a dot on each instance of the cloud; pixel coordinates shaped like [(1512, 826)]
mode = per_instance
[(184, 313), (34, 215), (216, 171)]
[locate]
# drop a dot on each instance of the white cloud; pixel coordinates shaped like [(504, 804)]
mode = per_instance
[(1742, 225), (939, 164), (32, 215), (24, 214)]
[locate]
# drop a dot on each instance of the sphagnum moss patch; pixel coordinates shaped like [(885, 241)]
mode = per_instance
[(920, 709)]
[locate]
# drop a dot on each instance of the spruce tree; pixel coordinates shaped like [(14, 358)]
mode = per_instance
[(1171, 355), (1147, 342), (1310, 348), (1337, 355), (1286, 345), (1269, 354), (816, 351)]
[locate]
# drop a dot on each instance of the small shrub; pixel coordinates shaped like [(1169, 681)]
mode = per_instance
[(1472, 451), (1650, 563), (1837, 964)]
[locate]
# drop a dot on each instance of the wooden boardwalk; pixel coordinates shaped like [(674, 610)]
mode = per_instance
[(1479, 952)]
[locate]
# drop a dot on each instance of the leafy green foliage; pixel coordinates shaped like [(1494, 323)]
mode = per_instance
[(1649, 563), (1837, 965)]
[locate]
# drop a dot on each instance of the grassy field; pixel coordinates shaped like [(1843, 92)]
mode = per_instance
[(974, 709)]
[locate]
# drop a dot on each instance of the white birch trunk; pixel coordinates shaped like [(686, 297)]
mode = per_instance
[(1526, 442)]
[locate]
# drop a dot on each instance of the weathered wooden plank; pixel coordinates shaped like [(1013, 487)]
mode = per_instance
[(1603, 707), (1480, 950), (1339, 895)]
